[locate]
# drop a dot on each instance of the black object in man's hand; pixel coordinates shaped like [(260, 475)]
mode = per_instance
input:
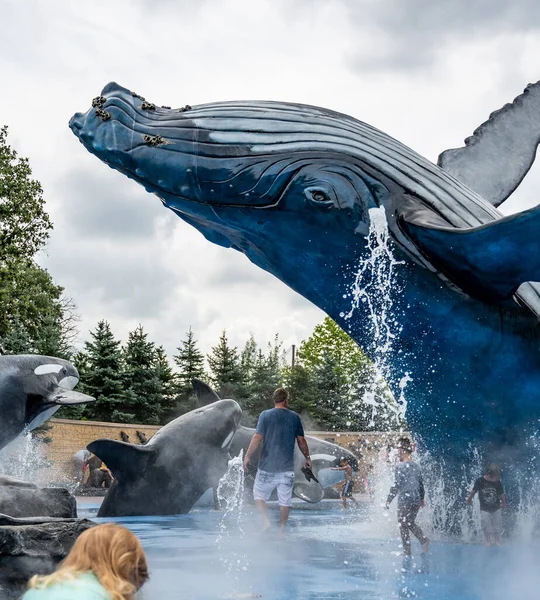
[(308, 474)]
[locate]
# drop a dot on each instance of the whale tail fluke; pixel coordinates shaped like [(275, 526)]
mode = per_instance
[(123, 459)]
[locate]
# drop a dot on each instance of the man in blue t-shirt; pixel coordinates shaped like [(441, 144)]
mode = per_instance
[(278, 429)]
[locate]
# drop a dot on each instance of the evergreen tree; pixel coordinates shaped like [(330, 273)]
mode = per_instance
[(301, 384), (167, 380), (224, 363), (190, 363), (100, 369), (141, 398)]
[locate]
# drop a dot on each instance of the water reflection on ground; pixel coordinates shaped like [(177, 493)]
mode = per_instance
[(328, 554)]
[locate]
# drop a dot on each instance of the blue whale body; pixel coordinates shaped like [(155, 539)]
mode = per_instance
[(291, 187)]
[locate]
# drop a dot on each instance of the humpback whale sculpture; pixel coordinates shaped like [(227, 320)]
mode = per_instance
[(323, 454), (172, 471), (291, 186), (32, 389)]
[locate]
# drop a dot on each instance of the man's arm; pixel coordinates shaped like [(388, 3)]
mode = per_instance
[(470, 496), (303, 445), (252, 448)]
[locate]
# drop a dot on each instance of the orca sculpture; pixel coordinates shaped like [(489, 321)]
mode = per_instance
[(32, 389), (291, 187), (172, 471), (323, 454)]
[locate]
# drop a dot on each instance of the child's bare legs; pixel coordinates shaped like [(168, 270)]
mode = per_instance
[(487, 537)]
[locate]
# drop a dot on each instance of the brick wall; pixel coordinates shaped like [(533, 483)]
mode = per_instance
[(68, 437)]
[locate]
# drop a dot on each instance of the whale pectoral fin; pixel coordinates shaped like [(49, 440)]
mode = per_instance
[(488, 262), (69, 397), (309, 492), (498, 155), (205, 394), (125, 461)]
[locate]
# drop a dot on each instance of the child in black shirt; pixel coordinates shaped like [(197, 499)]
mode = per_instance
[(492, 498)]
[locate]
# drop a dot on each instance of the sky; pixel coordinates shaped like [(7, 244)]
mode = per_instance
[(428, 73)]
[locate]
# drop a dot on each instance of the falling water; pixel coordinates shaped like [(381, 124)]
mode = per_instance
[(230, 539), (23, 458), (374, 288)]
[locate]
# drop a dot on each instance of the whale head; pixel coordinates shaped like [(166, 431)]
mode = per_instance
[(32, 389)]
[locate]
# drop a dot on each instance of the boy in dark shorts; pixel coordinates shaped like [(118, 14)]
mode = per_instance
[(348, 484), (492, 498), (409, 488)]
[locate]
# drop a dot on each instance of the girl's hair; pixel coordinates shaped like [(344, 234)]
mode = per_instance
[(112, 553)]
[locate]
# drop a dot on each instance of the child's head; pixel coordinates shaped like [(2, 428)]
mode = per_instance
[(343, 461), (404, 447), (112, 552), (493, 471)]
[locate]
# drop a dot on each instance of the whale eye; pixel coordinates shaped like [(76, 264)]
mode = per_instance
[(319, 196)]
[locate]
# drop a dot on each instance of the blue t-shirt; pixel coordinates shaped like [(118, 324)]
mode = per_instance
[(279, 428)]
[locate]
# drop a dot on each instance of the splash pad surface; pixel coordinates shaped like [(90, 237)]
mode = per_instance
[(328, 554)]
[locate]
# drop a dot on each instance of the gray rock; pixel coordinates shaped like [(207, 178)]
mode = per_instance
[(33, 546), (11, 481), (18, 501)]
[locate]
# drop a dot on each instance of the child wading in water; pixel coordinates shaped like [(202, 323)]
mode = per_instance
[(409, 488), (348, 485), (491, 496)]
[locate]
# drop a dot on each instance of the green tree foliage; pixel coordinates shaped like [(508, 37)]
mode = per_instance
[(24, 224), (190, 364), (31, 307), (167, 384), (225, 369), (141, 398), (100, 368)]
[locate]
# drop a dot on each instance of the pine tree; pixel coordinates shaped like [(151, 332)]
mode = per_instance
[(141, 398), (190, 363), (224, 363), (167, 380), (100, 369)]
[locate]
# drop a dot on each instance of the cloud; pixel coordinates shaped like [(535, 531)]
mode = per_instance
[(115, 249)]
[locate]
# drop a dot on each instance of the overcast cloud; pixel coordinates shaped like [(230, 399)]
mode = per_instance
[(426, 72)]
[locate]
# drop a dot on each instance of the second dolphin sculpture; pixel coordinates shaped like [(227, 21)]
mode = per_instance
[(291, 186)]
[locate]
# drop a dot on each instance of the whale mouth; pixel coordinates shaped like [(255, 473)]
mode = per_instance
[(228, 439)]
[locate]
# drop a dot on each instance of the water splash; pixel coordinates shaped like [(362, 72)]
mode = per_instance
[(24, 459), (374, 289), (230, 539)]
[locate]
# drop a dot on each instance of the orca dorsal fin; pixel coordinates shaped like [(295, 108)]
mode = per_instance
[(205, 393), (488, 262), (123, 459), (498, 155)]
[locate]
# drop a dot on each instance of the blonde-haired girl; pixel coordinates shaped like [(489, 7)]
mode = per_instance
[(107, 562)]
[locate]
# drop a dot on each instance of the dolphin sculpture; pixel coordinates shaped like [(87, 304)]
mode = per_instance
[(291, 187), (32, 389), (323, 454), (172, 471)]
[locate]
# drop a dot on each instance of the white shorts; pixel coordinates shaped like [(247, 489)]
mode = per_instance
[(266, 483), (491, 522)]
